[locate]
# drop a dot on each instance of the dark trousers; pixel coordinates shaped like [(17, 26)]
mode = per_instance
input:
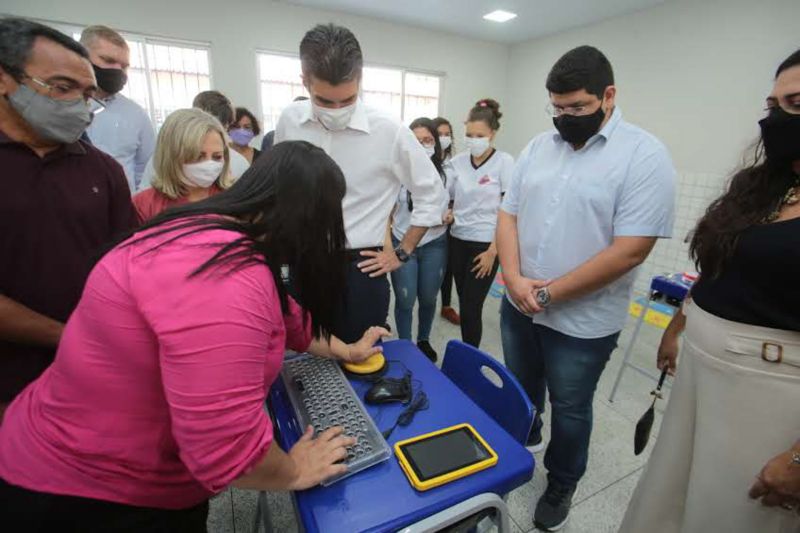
[(447, 282), (471, 290), (544, 359), (365, 302), (27, 510)]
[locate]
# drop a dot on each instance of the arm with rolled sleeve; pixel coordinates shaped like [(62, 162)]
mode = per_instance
[(216, 333), (644, 213), (416, 172)]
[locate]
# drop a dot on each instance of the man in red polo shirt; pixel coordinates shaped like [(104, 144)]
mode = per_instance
[(62, 199)]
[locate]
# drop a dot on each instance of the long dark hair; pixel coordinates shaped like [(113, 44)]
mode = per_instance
[(437, 123), (754, 192), (436, 158), (288, 208)]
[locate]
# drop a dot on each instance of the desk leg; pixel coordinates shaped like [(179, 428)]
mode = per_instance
[(629, 349)]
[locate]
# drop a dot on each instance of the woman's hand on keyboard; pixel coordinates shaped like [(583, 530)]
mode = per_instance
[(365, 347), (317, 459)]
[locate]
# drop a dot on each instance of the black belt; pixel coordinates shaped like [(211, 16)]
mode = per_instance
[(355, 253)]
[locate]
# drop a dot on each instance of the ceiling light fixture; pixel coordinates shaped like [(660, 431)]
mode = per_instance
[(500, 16)]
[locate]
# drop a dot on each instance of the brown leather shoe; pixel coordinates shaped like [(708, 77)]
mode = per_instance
[(450, 314)]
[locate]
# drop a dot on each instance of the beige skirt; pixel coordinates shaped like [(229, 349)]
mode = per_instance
[(732, 408)]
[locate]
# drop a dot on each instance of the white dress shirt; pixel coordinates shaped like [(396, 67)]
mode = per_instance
[(123, 131), (477, 193), (377, 155), (570, 205)]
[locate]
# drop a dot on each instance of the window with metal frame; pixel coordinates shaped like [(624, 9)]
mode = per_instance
[(164, 74)]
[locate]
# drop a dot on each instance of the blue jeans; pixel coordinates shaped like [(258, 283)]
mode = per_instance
[(569, 368), (420, 278)]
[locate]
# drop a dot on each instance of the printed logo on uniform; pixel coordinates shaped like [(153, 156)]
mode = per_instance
[(484, 180)]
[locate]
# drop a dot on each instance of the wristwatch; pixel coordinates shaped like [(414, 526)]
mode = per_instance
[(543, 297), (401, 254)]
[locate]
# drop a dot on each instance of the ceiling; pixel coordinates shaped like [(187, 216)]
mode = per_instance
[(465, 17)]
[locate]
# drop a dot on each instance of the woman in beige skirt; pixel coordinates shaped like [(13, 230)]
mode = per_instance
[(727, 457)]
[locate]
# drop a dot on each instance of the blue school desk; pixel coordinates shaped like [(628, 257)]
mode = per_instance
[(380, 498)]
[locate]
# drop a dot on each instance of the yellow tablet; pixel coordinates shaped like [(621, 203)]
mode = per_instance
[(443, 456)]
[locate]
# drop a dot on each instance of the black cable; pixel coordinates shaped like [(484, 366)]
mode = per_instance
[(418, 403)]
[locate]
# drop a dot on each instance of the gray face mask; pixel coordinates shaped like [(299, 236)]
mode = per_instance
[(62, 121)]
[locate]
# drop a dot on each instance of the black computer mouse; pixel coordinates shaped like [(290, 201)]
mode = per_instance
[(389, 390)]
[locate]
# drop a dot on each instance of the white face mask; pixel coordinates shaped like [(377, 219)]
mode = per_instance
[(334, 119), (445, 141), (430, 150), (202, 174), (477, 145)]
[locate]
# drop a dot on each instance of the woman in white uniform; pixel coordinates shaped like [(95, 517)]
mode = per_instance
[(732, 425), (421, 276), (482, 175)]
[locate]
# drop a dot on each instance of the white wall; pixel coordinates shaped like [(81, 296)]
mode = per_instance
[(236, 29), (693, 72)]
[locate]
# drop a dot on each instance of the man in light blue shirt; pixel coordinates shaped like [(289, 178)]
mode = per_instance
[(123, 130), (586, 204)]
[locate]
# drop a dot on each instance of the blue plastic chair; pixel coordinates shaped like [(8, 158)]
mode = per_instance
[(506, 402)]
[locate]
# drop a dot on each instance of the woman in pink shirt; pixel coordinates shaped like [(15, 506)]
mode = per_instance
[(155, 401)]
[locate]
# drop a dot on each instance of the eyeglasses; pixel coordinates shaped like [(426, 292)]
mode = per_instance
[(62, 91), (557, 111)]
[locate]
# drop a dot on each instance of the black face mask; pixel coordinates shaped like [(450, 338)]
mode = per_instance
[(780, 133), (111, 80), (578, 130)]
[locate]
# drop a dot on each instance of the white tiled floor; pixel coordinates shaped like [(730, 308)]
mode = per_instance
[(604, 492)]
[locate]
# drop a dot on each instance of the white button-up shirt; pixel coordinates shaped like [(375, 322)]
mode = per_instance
[(377, 155), (123, 131), (570, 205)]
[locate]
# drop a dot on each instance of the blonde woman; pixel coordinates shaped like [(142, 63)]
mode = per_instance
[(191, 163)]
